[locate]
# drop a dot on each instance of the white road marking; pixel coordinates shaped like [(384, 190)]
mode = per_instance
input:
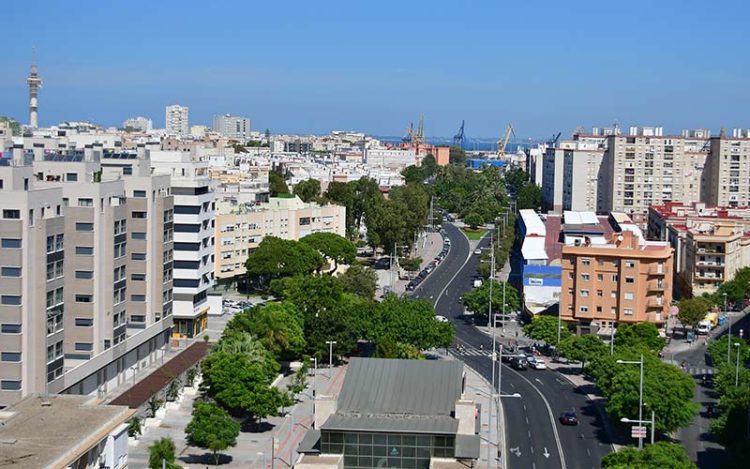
[(588, 451), (532, 450), (527, 420), (539, 381), (529, 433)]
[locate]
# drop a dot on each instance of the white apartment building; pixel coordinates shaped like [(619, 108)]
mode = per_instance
[(727, 179), (176, 120), (240, 228), (82, 277), (139, 124), (234, 127), (582, 176), (193, 237)]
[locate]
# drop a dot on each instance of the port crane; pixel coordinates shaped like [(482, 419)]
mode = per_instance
[(503, 142), (458, 139)]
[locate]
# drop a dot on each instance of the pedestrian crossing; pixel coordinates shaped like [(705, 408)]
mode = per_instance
[(699, 371), (470, 352)]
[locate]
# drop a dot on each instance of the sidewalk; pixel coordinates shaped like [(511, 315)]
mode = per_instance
[(428, 246), (279, 436)]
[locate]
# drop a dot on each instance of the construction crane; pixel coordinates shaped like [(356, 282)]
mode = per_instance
[(554, 139), (418, 137), (458, 139), (409, 133), (503, 142)]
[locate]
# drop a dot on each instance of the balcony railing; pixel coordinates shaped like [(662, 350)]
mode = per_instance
[(656, 286), (656, 270), (655, 302)]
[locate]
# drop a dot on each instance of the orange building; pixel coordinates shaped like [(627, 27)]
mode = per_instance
[(442, 155), (626, 280)]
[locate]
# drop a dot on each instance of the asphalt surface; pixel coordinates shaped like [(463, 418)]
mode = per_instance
[(534, 436)]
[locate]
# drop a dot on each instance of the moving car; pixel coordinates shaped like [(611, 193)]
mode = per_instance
[(441, 318), (569, 418), (538, 364), (477, 251), (519, 363)]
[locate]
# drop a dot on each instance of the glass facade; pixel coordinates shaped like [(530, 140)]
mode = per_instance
[(367, 450)]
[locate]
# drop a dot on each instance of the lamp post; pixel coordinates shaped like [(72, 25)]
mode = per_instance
[(651, 422), (330, 355), (737, 370), (612, 341), (640, 393), (495, 396), (729, 330), (315, 388)]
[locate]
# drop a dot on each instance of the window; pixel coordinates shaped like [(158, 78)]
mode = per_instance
[(84, 251), (186, 283), (10, 271), (138, 214), (11, 243), (119, 296), (139, 194), (84, 346), (600, 277), (138, 277), (137, 318), (187, 264), (119, 250), (187, 227), (583, 309), (120, 273), (585, 277), (10, 357), (50, 244), (629, 264), (127, 170), (628, 295), (12, 214), (627, 312), (138, 235), (59, 269), (187, 246), (71, 176), (600, 293), (138, 256), (10, 385), (84, 226), (84, 274), (8, 328), (80, 298), (187, 209), (120, 227), (613, 294), (138, 298), (85, 202), (585, 261), (584, 293), (615, 278), (629, 279), (84, 322), (10, 300), (598, 309)]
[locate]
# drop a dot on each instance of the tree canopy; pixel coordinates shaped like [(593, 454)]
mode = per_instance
[(359, 280), (583, 348), (529, 197), (478, 299), (279, 329), (544, 328), (644, 334), (277, 184), (162, 450), (473, 219), (275, 257), (457, 156), (211, 428), (693, 310), (336, 248), (429, 165), (660, 455), (308, 190), (15, 126), (409, 321)]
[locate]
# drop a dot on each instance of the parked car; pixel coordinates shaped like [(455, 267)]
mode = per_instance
[(477, 251), (441, 318), (538, 364), (569, 418), (519, 363)]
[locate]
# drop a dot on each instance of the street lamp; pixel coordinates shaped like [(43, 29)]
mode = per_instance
[(330, 355), (612, 341), (652, 422), (729, 330), (640, 393), (737, 370)]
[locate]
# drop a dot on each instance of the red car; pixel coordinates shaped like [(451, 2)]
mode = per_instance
[(569, 418)]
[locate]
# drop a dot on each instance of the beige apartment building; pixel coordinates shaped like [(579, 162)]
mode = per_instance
[(728, 170), (627, 280), (241, 227), (85, 273), (711, 243), (646, 168)]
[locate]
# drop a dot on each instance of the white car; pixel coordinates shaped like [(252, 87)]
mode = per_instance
[(477, 251), (441, 318), (538, 364)]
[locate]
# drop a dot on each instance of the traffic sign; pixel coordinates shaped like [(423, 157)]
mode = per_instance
[(638, 432)]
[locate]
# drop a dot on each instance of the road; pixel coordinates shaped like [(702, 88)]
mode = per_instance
[(697, 437), (535, 438)]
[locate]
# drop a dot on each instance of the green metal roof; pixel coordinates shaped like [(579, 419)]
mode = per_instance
[(390, 423)]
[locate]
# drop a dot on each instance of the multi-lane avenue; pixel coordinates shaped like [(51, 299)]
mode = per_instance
[(534, 437)]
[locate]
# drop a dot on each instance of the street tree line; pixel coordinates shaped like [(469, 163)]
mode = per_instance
[(667, 391)]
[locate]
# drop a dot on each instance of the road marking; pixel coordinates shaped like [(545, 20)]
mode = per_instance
[(560, 382), (588, 451), (532, 450), (524, 407), (512, 386), (527, 420), (539, 381), (546, 453), (533, 465), (551, 418), (442, 292), (515, 451), (529, 433)]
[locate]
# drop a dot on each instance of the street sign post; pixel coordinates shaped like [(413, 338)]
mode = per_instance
[(638, 431)]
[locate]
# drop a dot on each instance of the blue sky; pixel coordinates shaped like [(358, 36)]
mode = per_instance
[(316, 66)]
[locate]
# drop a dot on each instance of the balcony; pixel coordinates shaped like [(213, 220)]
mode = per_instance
[(711, 250), (714, 264), (656, 270), (656, 286), (655, 302)]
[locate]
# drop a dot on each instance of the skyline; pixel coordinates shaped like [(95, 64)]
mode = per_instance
[(375, 69)]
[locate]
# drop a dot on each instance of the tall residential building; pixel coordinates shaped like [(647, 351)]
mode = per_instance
[(627, 280), (241, 227), (571, 175), (176, 120), (647, 168), (727, 181), (138, 124), (193, 237), (85, 295), (234, 127)]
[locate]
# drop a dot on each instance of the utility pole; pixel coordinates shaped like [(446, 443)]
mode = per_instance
[(729, 330), (491, 321), (330, 355)]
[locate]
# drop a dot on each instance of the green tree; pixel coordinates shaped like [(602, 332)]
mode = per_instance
[(277, 184), (529, 197), (336, 248), (730, 427), (15, 126), (411, 264), (413, 174), (544, 328), (515, 179), (359, 280), (279, 328), (342, 193), (736, 289), (162, 451), (308, 190), (429, 165), (583, 348), (457, 156), (211, 428), (410, 322), (134, 427), (644, 334), (717, 349), (473, 219), (389, 348), (389, 223), (661, 455), (275, 257), (693, 310), (478, 299)]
